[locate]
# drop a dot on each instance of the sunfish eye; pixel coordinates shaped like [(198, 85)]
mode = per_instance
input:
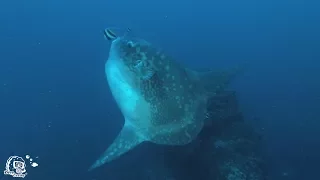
[(148, 74)]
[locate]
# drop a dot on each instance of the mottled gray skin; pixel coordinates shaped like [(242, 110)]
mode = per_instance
[(162, 102), (177, 102)]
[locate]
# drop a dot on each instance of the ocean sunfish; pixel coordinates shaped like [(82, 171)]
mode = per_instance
[(161, 101)]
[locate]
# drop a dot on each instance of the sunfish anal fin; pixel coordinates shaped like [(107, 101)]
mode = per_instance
[(126, 140)]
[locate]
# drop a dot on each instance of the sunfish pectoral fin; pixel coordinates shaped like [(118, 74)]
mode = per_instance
[(127, 139)]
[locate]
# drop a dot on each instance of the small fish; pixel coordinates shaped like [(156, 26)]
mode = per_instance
[(111, 35), (128, 31)]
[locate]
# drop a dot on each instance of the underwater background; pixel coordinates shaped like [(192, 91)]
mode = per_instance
[(55, 103)]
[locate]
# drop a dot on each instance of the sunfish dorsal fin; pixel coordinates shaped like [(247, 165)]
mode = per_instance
[(214, 81), (126, 140)]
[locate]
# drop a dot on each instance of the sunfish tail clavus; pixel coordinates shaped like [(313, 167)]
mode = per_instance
[(161, 101)]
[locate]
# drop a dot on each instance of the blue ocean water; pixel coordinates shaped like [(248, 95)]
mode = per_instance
[(55, 102)]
